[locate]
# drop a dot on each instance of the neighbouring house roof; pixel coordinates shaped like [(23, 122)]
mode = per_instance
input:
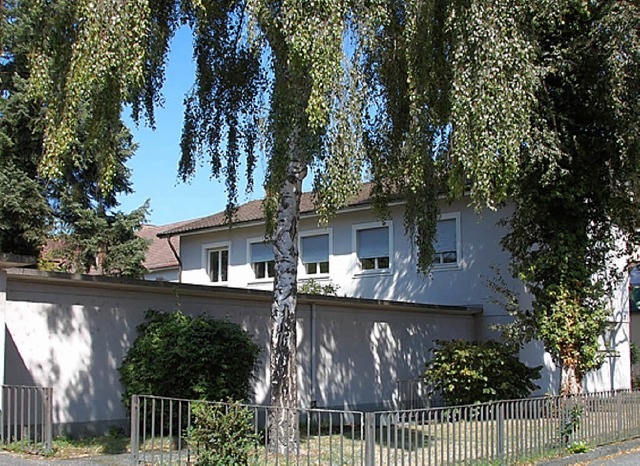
[(159, 254), (252, 212)]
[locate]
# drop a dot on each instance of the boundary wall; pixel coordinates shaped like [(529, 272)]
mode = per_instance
[(70, 332)]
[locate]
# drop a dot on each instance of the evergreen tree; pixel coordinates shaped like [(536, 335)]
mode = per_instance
[(63, 206), (25, 215)]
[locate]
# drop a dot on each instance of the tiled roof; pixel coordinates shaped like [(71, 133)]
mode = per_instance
[(159, 255), (251, 212)]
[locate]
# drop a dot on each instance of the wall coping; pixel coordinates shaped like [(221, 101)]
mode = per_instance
[(186, 289)]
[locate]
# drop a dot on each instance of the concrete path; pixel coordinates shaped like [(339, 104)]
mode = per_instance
[(10, 459), (619, 454)]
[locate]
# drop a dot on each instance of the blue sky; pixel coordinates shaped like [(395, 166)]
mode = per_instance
[(155, 165)]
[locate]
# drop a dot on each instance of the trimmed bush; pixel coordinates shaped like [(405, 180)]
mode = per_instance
[(179, 356), (222, 434), (465, 372)]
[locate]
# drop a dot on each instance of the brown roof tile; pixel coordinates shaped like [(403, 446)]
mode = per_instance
[(252, 211), (159, 255)]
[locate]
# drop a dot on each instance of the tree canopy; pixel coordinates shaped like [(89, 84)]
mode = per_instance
[(576, 214), (71, 207), (534, 102)]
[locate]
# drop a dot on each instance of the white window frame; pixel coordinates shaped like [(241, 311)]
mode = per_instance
[(255, 279), (359, 271), (206, 258), (302, 270), (458, 263)]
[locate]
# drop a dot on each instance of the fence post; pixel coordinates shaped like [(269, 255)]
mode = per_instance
[(48, 420), (369, 439), (135, 429), (619, 405), (500, 445), (3, 413)]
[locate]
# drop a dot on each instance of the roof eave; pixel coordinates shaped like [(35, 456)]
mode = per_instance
[(251, 223)]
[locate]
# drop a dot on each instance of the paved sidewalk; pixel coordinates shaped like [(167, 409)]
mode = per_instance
[(619, 454), (625, 453), (10, 459)]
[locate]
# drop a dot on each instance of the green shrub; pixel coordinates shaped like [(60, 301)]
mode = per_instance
[(178, 356), (222, 435), (312, 286), (465, 372), (578, 447)]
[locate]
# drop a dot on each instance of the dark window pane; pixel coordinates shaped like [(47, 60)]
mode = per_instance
[(224, 264), (383, 262), (259, 269), (271, 269), (214, 264), (368, 264), (449, 257), (324, 267)]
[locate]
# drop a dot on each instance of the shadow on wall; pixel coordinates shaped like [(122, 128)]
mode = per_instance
[(17, 372), (480, 238), (361, 355), (98, 338), (72, 339)]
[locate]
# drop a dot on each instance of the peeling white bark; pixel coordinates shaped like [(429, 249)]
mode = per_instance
[(284, 390), (569, 382)]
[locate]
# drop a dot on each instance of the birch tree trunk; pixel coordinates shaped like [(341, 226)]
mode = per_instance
[(283, 421), (570, 383)]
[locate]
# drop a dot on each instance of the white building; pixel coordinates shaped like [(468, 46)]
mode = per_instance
[(365, 257)]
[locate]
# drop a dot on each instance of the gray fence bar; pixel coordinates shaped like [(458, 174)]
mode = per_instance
[(503, 432), (160, 430), (27, 417)]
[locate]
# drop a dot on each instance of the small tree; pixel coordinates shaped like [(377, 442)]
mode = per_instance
[(189, 357), (466, 372), (222, 434)]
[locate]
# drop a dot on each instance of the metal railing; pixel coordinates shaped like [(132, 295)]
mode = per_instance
[(504, 432), (26, 418), (160, 434)]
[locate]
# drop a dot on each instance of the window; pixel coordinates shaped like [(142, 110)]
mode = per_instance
[(373, 246), (446, 244), (262, 261), (634, 289), (314, 251), (218, 265), (215, 259)]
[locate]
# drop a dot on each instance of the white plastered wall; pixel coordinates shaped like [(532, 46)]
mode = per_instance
[(72, 333)]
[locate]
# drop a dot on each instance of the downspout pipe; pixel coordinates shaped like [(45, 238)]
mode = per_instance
[(177, 256), (313, 369)]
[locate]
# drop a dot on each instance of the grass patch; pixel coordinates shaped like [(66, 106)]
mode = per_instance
[(68, 448), (65, 448)]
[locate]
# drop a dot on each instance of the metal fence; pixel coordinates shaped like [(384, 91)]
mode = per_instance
[(26, 417), (504, 432), (160, 430), (413, 394)]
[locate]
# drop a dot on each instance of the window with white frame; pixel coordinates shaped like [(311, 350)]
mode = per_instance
[(314, 252), (372, 244), (218, 264), (262, 260), (446, 243)]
